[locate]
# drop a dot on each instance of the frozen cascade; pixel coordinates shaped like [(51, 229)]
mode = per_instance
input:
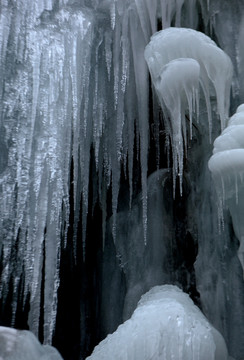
[(53, 110), (41, 110), (206, 67), (89, 221), (227, 168), (165, 325)]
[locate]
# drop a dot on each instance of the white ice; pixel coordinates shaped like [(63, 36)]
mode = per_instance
[(23, 345), (166, 325), (227, 168), (177, 87), (177, 81)]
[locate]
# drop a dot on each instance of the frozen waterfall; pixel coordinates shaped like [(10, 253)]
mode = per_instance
[(109, 111)]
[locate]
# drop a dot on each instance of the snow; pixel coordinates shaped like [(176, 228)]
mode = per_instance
[(23, 345), (165, 325)]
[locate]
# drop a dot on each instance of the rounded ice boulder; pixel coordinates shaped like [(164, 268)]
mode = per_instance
[(166, 325), (23, 345)]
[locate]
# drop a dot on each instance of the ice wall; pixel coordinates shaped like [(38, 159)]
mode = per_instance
[(68, 83), (43, 82)]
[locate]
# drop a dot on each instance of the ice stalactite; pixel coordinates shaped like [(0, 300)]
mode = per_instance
[(178, 91), (227, 168)]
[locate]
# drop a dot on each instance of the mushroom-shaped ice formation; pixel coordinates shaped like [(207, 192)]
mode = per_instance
[(227, 168), (23, 345), (178, 89), (179, 59), (165, 325)]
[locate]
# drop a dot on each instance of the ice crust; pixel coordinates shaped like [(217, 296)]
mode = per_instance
[(23, 345), (165, 325)]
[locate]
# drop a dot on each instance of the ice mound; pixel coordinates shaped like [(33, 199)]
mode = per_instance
[(165, 325), (227, 168), (23, 345)]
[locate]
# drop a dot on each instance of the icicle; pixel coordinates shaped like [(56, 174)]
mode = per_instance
[(175, 88), (141, 11), (37, 180), (108, 52), (179, 4), (152, 7), (113, 14), (141, 80), (116, 62), (130, 112), (170, 9), (125, 55)]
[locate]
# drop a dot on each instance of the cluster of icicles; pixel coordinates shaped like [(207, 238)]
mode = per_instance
[(180, 61), (73, 78)]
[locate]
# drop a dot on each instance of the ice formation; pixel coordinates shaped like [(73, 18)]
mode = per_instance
[(78, 124), (179, 60), (23, 345), (227, 168), (41, 121), (165, 325)]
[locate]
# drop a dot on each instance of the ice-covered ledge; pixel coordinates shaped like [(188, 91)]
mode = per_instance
[(165, 325), (23, 345)]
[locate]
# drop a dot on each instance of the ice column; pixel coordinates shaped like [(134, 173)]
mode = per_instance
[(227, 168)]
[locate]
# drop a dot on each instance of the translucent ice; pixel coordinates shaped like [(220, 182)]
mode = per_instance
[(23, 345), (166, 325)]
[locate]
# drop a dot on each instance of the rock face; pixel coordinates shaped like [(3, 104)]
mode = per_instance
[(23, 345)]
